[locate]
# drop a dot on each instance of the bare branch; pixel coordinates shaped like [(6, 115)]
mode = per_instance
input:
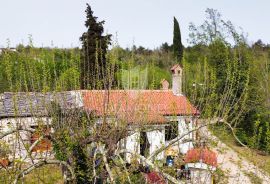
[(213, 121), (2, 135), (40, 164), (240, 142), (106, 163), (148, 162)]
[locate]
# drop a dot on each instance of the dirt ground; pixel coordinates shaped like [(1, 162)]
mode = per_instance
[(237, 168)]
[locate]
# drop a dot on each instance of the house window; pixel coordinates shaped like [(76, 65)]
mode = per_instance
[(171, 131), (45, 144)]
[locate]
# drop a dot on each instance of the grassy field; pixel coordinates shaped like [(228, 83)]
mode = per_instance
[(255, 156), (45, 175)]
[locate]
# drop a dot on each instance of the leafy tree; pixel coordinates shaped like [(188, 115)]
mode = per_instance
[(229, 66), (177, 43), (165, 47), (210, 30), (94, 49), (68, 80), (218, 59)]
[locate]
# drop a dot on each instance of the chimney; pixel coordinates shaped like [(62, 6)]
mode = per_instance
[(177, 73), (165, 84)]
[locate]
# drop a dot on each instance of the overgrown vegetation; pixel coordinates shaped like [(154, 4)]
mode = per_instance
[(213, 65), (253, 155), (46, 175), (224, 77), (93, 54)]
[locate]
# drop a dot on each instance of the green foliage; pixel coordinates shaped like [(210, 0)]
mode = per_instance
[(177, 42), (220, 177), (242, 136), (135, 177), (69, 80), (135, 78), (221, 79), (214, 28), (267, 138), (48, 174), (234, 78), (39, 69), (257, 134), (155, 75), (69, 130), (4, 149), (254, 178), (93, 53)]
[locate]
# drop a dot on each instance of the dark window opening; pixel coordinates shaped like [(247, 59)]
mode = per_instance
[(144, 144), (171, 131)]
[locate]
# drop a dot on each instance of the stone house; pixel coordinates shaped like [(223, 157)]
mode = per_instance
[(164, 114), (30, 111)]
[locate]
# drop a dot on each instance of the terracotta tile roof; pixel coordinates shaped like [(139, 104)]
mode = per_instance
[(201, 154), (175, 66), (141, 117), (129, 103)]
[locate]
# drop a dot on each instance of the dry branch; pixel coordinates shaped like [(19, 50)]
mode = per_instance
[(42, 163)]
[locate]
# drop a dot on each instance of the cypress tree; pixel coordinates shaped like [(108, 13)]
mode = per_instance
[(177, 43), (93, 55)]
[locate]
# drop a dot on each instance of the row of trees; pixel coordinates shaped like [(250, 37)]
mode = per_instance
[(39, 69)]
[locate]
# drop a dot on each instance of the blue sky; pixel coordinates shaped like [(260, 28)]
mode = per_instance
[(143, 22)]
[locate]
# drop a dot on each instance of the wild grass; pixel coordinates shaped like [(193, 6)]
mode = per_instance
[(48, 174), (253, 178), (254, 156)]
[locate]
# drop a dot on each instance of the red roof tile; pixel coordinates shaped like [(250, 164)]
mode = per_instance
[(130, 103), (176, 66), (201, 154)]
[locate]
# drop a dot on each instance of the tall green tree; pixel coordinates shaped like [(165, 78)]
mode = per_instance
[(94, 49), (177, 43)]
